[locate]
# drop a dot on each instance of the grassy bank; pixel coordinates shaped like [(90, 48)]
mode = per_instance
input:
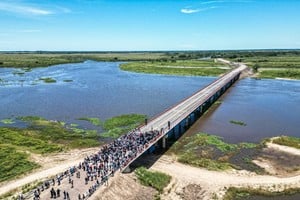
[(45, 59), (242, 193), (157, 180), (187, 67), (288, 141), (211, 152), (274, 66), (280, 73)]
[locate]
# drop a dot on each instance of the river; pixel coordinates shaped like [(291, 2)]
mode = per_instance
[(101, 89)]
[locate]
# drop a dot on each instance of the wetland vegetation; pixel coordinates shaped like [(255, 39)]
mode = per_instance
[(43, 136), (267, 63), (244, 193), (211, 152), (116, 126)]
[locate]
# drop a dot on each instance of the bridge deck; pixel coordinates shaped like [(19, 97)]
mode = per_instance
[(183, 109)]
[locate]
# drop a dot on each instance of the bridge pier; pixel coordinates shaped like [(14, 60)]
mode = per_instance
[(127, 169), (164, 142)]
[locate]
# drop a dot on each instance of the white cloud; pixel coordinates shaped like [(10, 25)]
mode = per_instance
[(22, 9), (213, 2), (225, 1), (191, 11)]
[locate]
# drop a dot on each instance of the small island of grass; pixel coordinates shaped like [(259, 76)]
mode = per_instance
[(48, 80), (238, 122)]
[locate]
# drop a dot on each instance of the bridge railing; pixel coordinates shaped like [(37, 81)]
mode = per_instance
[(195, 93)]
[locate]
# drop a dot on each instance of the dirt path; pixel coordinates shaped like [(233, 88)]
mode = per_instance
[(50, 166), (124, 186), (286, 149), (214, 183)]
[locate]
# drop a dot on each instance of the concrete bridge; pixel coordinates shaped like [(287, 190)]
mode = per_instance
[(173, 122)]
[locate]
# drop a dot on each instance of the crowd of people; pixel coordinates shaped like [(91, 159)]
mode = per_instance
[(97, 168)]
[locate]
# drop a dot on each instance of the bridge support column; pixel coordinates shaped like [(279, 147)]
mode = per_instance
[(127, 170), (164, 142)]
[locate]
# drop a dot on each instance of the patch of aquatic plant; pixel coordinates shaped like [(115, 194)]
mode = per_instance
[(68, 80), (238, 122), (157, 180), (95, 121), (243, 193), (18, 72), (30, 118), (209, 151), (7, 121), (288, 141), (48, 80), (116, 126), (217, 102), (13, 163), (58, 133)]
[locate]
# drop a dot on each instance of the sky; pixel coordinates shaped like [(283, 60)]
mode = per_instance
[(148, 25)]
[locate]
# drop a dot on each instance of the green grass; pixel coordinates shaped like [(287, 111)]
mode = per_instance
[(7, 121), (48, 80), (45, 59), (13, 163), (116, 126), (210, 164), (41, 137), (208, 151), (157, 180), (95, 121), (187, 67), (242, 193), (283, 66), (288, 141), (284, 73), (286, 61), (238, 122)]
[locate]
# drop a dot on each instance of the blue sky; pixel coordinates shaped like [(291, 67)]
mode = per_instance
[(120, 25)]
